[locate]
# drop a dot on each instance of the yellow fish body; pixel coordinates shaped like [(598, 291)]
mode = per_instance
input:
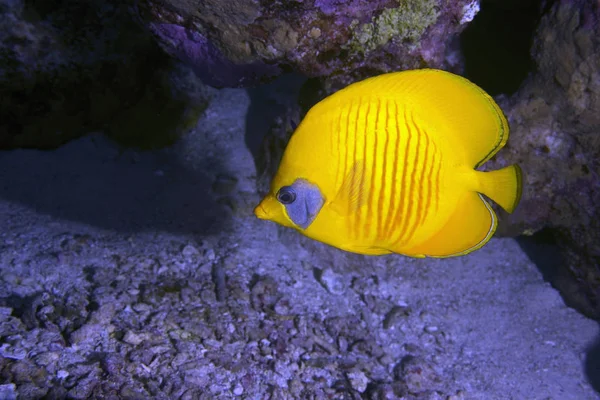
[(388, 165)]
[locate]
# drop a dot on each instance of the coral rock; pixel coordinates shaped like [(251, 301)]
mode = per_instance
[(555, 120), (242, 42)]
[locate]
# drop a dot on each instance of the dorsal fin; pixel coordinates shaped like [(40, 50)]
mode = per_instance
[(463, 113)]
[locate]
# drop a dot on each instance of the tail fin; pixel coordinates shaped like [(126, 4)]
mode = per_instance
[(504, 186)]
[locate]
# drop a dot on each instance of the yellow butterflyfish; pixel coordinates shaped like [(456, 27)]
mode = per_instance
[(389, 165)]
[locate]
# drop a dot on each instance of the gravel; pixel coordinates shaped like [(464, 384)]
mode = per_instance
[(118, 282)]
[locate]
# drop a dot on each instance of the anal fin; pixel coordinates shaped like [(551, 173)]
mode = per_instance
[(472, 225)]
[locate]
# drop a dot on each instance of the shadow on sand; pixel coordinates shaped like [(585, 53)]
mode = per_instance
[(91, 180), (544, 252)]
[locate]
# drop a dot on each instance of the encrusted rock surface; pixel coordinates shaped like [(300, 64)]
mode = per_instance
[(555, 120), (68, 68), (555, 125), (241, 42)]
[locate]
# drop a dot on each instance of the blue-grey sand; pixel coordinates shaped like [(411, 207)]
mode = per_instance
[(132, 274)]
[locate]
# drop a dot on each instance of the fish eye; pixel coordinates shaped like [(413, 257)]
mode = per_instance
[(286, 195)]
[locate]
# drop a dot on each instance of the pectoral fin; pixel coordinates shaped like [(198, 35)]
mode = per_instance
[(352, 194)]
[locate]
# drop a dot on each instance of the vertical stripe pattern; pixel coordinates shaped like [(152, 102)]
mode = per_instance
[(401, 179)]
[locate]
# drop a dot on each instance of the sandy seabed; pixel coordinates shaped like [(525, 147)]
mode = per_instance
[(141, 275)]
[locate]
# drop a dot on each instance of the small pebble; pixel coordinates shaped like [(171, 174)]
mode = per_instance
[(342, 344), (210, 255), (358, 380), (212, 343), (47, 358), (315, 33), (8, 351), (8, 391), (460, 395), (62, 374), (142, 307), (332, 281), (218, 278), (190, 253), (238, 390), (265, 342), (431, 329), (133, 338), (282, 307)]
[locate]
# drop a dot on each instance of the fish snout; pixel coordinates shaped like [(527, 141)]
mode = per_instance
[(260, 211)]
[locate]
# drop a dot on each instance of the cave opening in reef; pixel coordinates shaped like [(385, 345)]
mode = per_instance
[(496, 45)]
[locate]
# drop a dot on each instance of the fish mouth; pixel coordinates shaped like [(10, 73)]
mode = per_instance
[(260, 211)]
